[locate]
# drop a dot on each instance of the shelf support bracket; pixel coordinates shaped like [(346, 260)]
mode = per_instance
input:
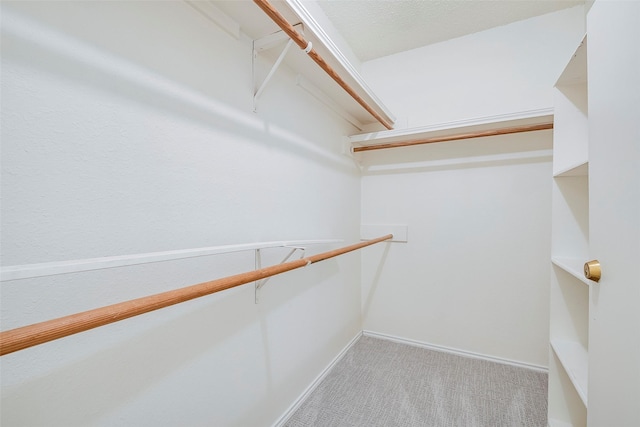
[(258, 265), (266, 43), (261, 45)]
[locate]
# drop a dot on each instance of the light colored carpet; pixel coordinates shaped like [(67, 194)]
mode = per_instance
[(382, 383)]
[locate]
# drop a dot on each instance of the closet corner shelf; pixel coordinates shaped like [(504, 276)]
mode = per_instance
[(575, 361), (481, 124), (579, 169), (573, 266)]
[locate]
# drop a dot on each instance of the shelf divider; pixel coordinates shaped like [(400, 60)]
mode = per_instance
[(580, 169), (573, 266), (575, 361)]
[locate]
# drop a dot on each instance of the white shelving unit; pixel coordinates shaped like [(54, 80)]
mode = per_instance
[(574, 359), (569, 322), (573, 266)]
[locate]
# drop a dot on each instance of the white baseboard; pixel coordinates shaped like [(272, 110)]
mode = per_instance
[(456, 351), (556, 423), (296, 404)]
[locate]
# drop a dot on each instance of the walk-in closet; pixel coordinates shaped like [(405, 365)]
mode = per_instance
[(327, 213)]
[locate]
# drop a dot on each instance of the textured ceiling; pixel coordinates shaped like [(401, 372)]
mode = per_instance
[(376, 28)]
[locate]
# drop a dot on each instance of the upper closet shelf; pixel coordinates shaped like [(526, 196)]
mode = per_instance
[(257, 24), (486, 126)]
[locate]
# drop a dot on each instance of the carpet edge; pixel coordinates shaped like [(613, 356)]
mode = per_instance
[(459, 352), (314, 384)]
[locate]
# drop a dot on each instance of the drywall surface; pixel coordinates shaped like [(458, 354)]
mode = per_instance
[(504, 70), (127, 127), (474, 273)]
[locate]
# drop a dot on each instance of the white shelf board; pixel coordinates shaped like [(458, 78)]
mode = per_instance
[(576, 70), (212, 12), (255, 24), (575, 361), (579, 169), (28, 271), (524, 118), (334, 57), (573, 266)]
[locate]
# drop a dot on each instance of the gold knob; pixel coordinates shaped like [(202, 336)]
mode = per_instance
[(592, 270)]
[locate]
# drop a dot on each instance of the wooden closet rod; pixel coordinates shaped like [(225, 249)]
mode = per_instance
[(505, 131), (306, 46), (39, 333)]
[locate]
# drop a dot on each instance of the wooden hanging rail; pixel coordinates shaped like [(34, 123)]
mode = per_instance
[(306, 46), (40, 333), (467, 135)]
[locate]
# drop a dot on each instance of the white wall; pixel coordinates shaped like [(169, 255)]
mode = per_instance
[(474, 274), (499, 71), (127, 128)]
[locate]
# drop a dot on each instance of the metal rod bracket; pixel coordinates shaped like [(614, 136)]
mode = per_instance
[(266, 43), (258, 265)]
